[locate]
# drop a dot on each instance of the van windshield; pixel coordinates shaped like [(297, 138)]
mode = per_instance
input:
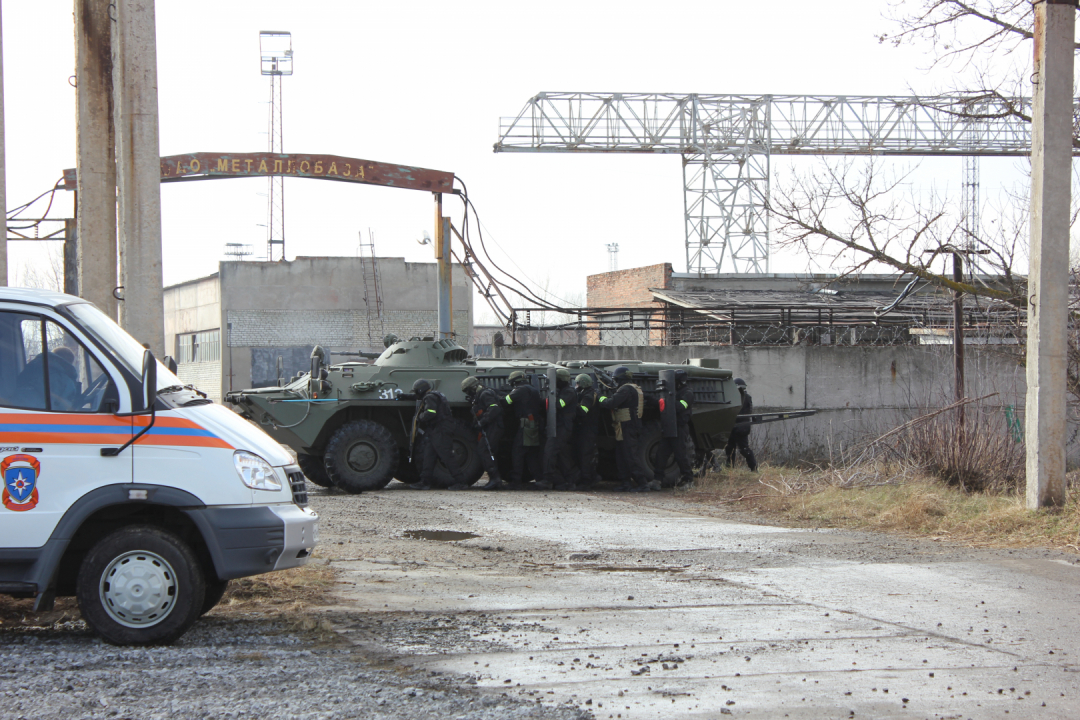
[(123, 347)]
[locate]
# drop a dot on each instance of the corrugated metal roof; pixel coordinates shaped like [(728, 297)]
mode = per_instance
[(794, 307)]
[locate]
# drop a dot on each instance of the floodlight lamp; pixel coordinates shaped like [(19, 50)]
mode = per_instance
[(275, 52)]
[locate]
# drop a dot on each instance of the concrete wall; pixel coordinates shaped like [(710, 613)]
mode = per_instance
[(191, 307), (195, 306), (308, 301), (858, 392)]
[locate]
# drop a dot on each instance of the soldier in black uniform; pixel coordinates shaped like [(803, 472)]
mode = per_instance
[(586, 427), (684, 408), (528, 409), (432, 422), (558, 458), (627, 405), (488, 422), (740, 434)]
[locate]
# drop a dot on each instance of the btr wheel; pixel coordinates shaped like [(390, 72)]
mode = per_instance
[(464, 454), (361, 455), (314, 469), (407, 472), (140, 585), (651, 434)]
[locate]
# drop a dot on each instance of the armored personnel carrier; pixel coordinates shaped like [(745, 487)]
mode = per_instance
[(350, 429)]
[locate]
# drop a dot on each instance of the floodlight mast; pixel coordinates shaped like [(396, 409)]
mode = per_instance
[(276, 61)]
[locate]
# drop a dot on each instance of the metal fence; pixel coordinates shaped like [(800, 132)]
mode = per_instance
[(658, 327)]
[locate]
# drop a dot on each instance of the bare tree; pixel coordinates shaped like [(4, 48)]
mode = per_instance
[(45, 272), (851, 212), (856, 217), (963, 29)]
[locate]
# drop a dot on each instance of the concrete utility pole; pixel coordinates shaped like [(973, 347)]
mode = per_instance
[(1048, 278), (3, 165), (138, 172), (96, 152)]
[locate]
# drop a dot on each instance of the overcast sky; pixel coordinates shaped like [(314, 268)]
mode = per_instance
[(424, 83)]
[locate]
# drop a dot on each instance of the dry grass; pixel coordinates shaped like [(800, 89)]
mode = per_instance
[(287, 593), (20, 613), (880, 497)]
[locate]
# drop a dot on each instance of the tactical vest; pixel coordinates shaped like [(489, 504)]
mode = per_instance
[(622, 415)]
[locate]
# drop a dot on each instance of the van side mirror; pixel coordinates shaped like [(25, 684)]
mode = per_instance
[(170, 363), (149, 380)]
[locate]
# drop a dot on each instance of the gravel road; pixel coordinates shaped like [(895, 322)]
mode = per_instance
[(231, 668), (552, 605)]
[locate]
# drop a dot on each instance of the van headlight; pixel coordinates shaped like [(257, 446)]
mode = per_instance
[(255, 472)]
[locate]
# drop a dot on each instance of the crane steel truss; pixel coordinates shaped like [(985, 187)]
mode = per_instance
[(727, 141)]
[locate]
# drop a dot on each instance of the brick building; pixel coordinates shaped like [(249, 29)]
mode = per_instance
[(227, 331), (628, 288)]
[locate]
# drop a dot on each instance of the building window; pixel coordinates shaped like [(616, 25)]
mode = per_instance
[(199, 347)]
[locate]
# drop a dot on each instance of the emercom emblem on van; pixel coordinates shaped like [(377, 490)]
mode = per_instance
[(20, 482)]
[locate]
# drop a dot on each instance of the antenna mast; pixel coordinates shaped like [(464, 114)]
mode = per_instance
[(369, 269)]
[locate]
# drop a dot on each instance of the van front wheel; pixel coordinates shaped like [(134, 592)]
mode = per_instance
[(140, 585)]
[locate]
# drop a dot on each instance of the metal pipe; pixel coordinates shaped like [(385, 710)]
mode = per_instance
[(442, 256)]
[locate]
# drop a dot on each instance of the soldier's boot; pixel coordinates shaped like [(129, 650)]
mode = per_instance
[(421, 485), (459, 486), (543, 485), (494, 483)]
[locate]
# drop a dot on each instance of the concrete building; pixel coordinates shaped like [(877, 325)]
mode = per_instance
[(227, 331)]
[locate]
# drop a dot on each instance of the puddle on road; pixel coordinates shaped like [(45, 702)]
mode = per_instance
[(630, 568), (440, 535)]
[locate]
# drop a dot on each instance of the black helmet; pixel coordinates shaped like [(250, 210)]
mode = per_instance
[(621, 375), (421, 387), (740, 383), (681, 378)]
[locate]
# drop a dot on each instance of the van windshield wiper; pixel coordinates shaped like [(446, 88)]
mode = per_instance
[(170, 389)]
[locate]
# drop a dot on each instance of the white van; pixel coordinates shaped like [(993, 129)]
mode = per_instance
[(123, 488)]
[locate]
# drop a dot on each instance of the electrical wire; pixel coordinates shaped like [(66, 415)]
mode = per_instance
[(525, 292), (14, 214), (907, 291), (527, 295)]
